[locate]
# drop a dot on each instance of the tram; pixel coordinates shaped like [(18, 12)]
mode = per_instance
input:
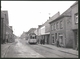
[(32, 38)]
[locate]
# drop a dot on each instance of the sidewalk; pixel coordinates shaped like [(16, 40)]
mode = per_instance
[(66, 50), (4, 48)]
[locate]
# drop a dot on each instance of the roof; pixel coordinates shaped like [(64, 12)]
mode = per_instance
[(75, 3), (32, 29), (64, 14), (61, 16), (51, 19)]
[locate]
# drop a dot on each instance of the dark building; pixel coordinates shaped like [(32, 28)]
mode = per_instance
[(3, 30), (6, 30)]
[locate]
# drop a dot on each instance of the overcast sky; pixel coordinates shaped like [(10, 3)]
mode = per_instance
[(24, 15)]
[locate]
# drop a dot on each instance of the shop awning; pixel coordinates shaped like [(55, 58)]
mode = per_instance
[(46, 33), (60, 35)]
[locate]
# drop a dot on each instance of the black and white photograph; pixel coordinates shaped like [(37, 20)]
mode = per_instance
[(39, 29)]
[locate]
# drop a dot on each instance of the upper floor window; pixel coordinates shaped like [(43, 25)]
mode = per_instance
[(54, 26), (57, 25), (51, 27), (61, 24), (76, 18)]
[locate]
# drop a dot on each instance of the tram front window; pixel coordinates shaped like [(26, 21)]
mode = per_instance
[(33, 37)]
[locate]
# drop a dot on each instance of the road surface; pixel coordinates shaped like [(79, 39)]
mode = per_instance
[(21, 49)]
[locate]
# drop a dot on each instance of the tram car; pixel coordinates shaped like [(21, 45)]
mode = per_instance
[(32, 38)]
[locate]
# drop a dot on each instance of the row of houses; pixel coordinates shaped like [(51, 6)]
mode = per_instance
[(6, 30), (62, 28), (25, 35)]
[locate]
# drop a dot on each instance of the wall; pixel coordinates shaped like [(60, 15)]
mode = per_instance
[(70, 26), (74, 11), (3, 30), (42, 30), (63, 31), (47, 25), (6, 17), (7, 32)]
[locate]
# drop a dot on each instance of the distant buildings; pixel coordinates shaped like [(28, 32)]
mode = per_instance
[(23, 36), (6, 30)]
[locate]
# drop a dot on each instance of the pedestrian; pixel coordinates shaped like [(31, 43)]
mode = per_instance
[(57, 43), (41, 41)]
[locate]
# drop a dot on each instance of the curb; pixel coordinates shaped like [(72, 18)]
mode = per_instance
[(59, 50)]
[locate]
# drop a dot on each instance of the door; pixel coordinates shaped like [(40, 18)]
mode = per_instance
[(47, 39), (76, 39), (55, 36)]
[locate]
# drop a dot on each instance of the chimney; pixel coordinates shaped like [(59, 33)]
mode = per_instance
[(49, 17), (11, 27), (39, 26)]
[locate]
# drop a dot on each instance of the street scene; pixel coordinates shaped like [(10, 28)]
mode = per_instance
[(21, 49), (22, 36)]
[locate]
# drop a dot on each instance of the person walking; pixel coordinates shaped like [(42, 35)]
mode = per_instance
[(57, 43), (41, 41)]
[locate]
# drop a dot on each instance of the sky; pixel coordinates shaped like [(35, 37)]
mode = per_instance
[(24, 15)]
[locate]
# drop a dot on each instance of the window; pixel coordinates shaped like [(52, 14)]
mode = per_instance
[(43, 37), (57, 25), (61, 24), (76, 18), (51, 27), (30, 37), (54, 26), (53, 38)]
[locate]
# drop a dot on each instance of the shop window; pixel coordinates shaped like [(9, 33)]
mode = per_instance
[(43, 37)]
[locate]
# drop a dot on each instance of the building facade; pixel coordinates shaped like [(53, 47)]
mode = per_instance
[(39, 33), (44, 29), (64, 29), (47, 27), (3, 30), (6, 31)]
